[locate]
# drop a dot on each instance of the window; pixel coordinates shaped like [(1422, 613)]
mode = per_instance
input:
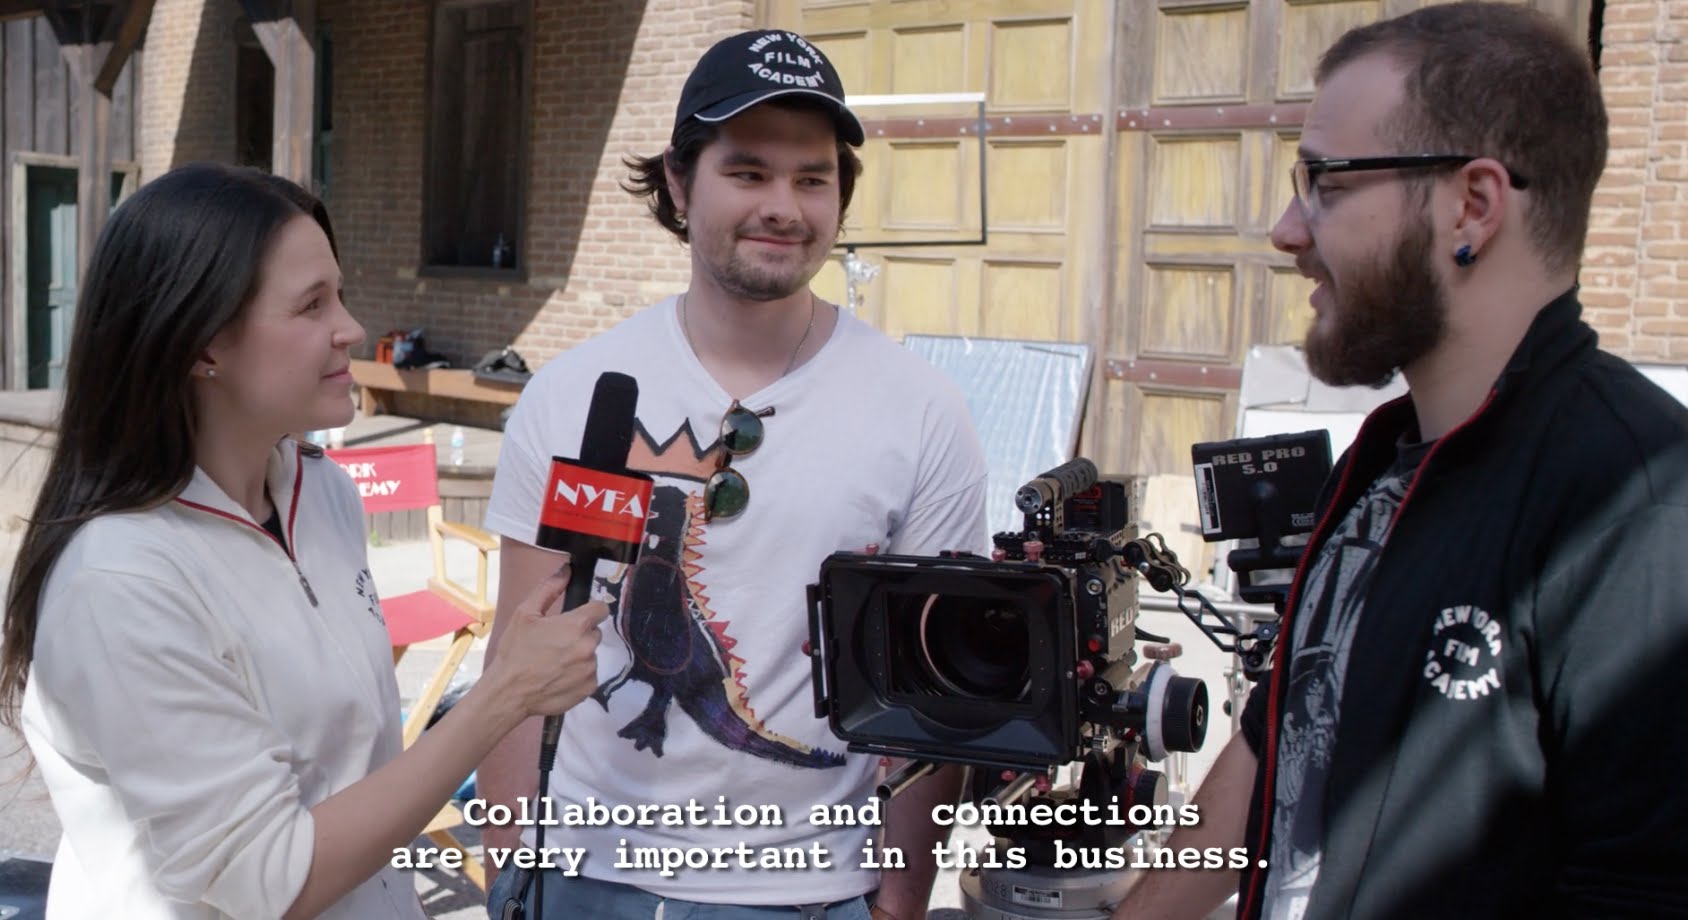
[(477, 136)]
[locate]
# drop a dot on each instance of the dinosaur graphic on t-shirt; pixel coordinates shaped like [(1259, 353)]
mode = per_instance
[(679, 647)]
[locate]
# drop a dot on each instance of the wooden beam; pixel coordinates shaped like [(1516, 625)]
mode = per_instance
[(1101, 279), (21, 9), (93, 129), (130, 29), (1184, 374), (95, 37), (287, 30)]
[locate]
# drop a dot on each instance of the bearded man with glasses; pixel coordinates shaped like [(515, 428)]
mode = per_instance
[(779, 430), (1459, 721)]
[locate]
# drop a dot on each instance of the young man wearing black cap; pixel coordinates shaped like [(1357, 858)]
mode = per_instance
[(779, 429)]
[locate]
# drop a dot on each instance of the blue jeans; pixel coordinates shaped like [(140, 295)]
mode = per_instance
[(567, 898)]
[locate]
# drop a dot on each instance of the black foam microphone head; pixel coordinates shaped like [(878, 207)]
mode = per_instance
[(608, 437)]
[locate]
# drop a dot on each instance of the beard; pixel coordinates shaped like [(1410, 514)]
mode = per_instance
[(764, 279), (1383, 316)]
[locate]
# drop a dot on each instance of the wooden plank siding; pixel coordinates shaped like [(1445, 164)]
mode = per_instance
[(38, 95), (1138, 156)]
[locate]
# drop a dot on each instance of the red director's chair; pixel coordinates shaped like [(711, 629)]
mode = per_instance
[(406, 478)]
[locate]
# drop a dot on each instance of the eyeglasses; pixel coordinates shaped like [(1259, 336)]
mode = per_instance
[(727, 493), (1304, 175)]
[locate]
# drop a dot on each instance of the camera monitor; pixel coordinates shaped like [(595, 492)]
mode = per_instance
[(1261, 489), (1253, 485)]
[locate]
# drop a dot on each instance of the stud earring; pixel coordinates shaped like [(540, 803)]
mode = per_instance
[(210, 372), (1463, 256), (680, 218)]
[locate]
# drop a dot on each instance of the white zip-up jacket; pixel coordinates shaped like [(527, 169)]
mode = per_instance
[(196, 689)]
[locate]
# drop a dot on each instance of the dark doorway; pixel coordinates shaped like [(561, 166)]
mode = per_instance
[(50, 275), (47, 268)]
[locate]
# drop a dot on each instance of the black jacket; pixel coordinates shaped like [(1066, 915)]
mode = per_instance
[(1513, 740)]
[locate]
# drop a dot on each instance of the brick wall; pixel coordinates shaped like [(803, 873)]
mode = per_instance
[(187, 85), (607, 75), (1635, 274)]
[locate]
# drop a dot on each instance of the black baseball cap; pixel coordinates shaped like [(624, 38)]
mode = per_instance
[(752, 67)]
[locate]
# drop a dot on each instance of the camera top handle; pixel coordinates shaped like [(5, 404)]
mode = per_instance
[(1054, 487)]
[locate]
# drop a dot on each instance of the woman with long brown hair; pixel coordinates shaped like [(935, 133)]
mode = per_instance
[(193, 648)]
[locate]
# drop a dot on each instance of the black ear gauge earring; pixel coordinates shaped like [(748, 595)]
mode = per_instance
[(1463, 256)]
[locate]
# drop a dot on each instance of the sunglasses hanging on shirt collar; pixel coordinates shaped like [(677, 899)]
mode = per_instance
[(727, 493)]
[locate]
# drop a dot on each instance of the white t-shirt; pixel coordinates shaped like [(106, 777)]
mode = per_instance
[(705, 689)]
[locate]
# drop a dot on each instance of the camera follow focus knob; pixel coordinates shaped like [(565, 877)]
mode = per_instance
[(1184, 726), (1176, 712), (1148, 787)]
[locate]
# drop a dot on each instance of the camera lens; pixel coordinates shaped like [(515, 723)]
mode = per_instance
[(974, 649)]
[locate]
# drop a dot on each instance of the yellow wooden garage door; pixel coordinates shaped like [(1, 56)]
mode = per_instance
[(1137, 154)]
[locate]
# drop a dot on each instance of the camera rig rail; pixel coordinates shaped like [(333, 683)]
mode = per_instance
[(1150, 557), (1259, 491)]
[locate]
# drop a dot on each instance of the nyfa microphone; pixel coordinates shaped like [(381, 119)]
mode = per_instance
[(594, 508)]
